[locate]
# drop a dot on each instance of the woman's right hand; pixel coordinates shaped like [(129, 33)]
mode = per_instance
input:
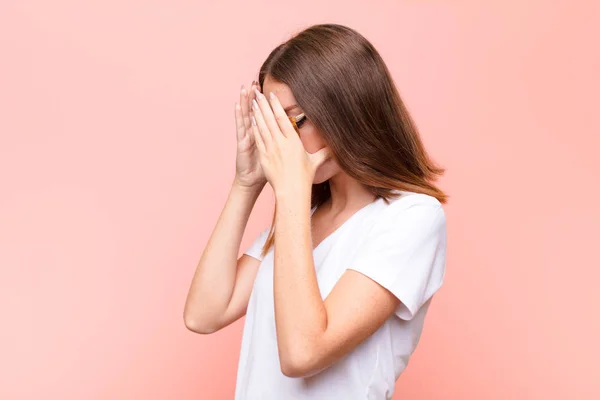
[(248, 172)]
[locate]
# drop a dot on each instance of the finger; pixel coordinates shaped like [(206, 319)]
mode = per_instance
[(239, 122), (281, 118), (268, 116), (251, 96), (257, 137), (263, 130), (319, 157), (244, 107)]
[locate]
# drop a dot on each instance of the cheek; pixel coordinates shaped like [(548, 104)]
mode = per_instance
[(311, 140)]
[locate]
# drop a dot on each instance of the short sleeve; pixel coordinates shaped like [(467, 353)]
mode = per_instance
[(256, 247), (405, 252)]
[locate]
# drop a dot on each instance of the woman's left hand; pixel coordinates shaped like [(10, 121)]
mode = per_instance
[(286, 164)]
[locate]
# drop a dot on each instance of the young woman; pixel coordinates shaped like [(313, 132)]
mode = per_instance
[(336, 289)]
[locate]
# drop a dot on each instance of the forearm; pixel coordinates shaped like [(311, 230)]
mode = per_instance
[(299, 310), (214, 279)]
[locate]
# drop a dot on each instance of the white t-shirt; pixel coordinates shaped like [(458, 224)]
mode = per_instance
[(401, 246)]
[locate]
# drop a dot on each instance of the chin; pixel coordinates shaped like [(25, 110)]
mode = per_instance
[(324, 173), (319, 179)]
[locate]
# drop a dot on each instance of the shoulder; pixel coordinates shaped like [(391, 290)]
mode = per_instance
[(418, 205), (408, 215)]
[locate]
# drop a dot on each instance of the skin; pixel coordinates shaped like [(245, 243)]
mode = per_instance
[(312, 333), (222, 282)]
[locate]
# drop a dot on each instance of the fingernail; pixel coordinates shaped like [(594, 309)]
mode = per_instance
[(258, 94), (243, 91), (272, 96), (254, 104)]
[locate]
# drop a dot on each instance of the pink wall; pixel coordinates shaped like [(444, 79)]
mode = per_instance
[(117, 150)]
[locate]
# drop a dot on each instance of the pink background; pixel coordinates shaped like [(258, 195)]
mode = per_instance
[(117, 150)]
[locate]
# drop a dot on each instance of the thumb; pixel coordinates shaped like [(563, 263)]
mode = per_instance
[(319, 157)]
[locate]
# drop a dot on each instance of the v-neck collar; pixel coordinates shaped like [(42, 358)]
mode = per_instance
[(339, 228)]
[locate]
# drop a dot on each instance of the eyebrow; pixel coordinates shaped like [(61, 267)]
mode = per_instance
[(288, 108)]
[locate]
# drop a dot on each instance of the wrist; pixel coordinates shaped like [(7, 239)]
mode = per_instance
[(293, 193), (254, 190)]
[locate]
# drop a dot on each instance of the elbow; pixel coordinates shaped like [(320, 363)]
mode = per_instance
[(197, 327), (293, 370), (298, 365), (198, 321)]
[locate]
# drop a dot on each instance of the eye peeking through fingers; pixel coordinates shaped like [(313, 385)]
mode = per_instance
[(301, 121), (298, 121)]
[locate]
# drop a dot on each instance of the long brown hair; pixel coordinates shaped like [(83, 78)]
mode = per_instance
[(343, 86)]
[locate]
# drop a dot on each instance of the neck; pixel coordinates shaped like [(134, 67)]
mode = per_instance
[(347, 194)]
